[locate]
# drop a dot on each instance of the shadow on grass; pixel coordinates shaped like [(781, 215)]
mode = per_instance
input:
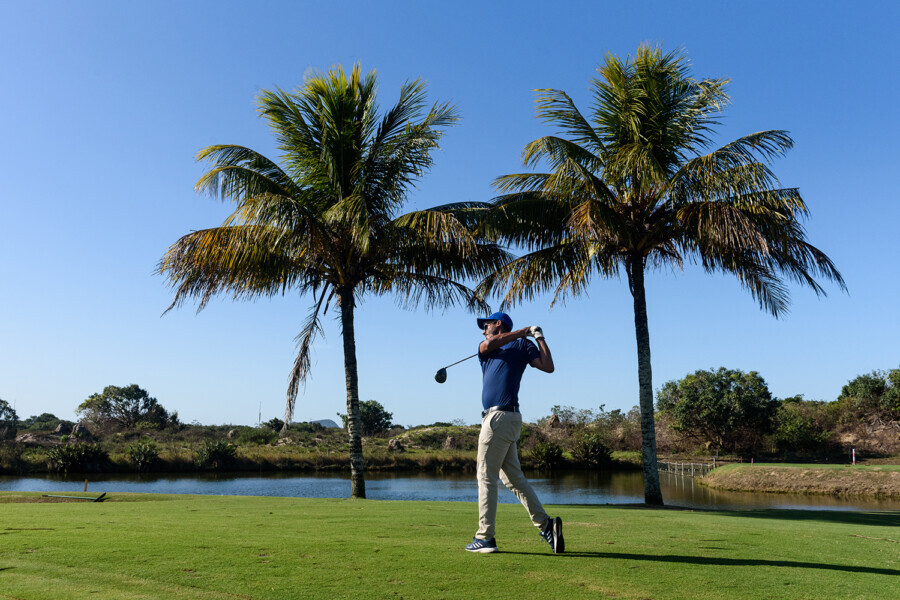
[(876, 519), (847, 517), (719, 562)]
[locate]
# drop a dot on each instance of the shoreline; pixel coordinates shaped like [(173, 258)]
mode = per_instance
[(875, 481)]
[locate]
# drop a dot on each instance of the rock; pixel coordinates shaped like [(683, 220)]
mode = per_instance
[(30, 438), (232, 434), (63, 429), (82, 433), (450, 443), (394, 445), (283, 441), (554, 422)]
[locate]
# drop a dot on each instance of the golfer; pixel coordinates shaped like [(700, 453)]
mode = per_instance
[(504, 354)]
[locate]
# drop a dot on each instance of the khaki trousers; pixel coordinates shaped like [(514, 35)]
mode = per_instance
[(498, 457)]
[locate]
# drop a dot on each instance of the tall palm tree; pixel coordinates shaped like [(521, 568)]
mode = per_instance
[(324, 222), (636, 187)]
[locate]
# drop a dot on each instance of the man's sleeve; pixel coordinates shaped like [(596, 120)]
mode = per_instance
[(531, 350)]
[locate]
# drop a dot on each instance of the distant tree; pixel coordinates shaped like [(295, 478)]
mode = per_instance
[(876, 394), (572, 417), (275, 424), (126, 407), (373, 417), (8, 420), (41, 421), (800, 425), (728, 408)]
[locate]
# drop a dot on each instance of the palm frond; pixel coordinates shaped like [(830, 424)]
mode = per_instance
[(245, 261), (526, 219), (305, 339), (241, 172), (564, 268), (556, 107), (412, 289)]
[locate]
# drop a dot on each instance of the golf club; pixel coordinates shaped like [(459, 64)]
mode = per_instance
[(441, 375)]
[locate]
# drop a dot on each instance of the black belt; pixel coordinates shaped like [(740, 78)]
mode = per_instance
[(485, 413)]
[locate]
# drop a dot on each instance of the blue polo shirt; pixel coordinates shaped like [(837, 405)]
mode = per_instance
[(502, 372)]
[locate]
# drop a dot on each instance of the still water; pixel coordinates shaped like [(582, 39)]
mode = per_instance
[(569, 488)]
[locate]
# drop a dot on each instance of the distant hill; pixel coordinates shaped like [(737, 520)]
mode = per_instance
[(327, 423)]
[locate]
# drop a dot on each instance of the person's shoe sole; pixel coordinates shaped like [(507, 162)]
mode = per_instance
[(483, 550), (559, 544)]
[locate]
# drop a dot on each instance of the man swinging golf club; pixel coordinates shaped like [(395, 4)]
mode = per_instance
[(504, 354)]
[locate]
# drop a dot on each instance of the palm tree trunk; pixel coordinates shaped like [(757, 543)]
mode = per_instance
[(652, 493), (357, 480)]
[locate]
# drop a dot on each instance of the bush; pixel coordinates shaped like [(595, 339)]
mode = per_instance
[(546, 455), (11, 458), (589, 450), (875, 394), (274, 424), (8, 420), (143, 454), (42, 422), (306, 427), (374, 419), (799, 426), (77, 458), (729, 409), (216, 454), (256, 436), (126, 407)]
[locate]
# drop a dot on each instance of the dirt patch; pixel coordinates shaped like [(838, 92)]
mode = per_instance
[(797, 480)]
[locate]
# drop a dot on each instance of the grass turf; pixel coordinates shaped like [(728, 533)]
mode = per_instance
[(156, 546)]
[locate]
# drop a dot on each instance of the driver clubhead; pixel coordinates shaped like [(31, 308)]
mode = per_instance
[(441, 376)]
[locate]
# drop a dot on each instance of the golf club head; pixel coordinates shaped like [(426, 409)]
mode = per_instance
[(441, 376)]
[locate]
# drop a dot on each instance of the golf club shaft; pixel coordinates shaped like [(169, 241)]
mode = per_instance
[(459, 361)]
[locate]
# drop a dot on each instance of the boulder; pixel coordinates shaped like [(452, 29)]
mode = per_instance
[(232, 434), (82, 433), (62, 429), (394, 445), (451, 443), (30, 439), (554, 422)]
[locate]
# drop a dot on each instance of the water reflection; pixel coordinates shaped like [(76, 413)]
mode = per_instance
[(568, 488)]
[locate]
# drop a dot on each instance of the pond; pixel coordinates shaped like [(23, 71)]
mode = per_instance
[(568, 488)]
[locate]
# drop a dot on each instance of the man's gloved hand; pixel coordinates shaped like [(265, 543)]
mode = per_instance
[(536, 332)]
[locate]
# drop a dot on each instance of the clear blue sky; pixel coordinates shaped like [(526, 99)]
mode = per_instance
[(104, 105)]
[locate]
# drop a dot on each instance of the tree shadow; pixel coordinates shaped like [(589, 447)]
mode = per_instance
[(718, 562), (889, 518)]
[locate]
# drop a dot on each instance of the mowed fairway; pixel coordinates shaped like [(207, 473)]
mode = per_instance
[(147, 546)]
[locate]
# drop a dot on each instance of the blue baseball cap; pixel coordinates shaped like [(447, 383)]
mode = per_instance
[(497, 316)]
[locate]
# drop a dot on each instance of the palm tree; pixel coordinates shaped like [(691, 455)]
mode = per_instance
[(636, 187), (324, 222)]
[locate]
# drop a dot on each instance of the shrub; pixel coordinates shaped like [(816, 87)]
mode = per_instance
[(11, 458), (728, 408), (77, 457), (143, 454), (875, 394), (306, 427), (274, 424), (256, 436), (374, 419), (546, 455), (589, 450), (215, 454), (8, 420)]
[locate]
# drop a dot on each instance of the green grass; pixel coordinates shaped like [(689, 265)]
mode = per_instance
[(155, 546)]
